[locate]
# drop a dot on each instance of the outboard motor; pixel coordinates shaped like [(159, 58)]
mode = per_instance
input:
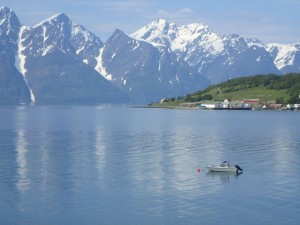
[(238, 168)]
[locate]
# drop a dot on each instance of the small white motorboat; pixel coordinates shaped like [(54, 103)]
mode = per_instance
[(224, 167)]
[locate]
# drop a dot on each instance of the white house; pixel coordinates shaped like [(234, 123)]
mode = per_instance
[(208, 106)]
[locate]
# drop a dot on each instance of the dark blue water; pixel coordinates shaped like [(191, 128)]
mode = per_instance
[(119, 166)]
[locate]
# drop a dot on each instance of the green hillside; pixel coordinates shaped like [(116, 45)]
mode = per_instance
[(282, 89)]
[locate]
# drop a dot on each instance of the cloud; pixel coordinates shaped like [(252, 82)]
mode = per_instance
[(182, 13)]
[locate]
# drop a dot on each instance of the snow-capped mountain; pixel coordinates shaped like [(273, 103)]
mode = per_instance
[(218, 57), (60, 62), (286, 57), (57, 58), (146, 72), (179, 38), (60, 33)]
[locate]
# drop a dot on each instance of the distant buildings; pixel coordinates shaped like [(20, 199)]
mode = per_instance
[(293, 106), (252, 102), (226, 105), (245, 104)]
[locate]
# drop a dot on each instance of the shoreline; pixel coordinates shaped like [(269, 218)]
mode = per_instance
[(212, 109)]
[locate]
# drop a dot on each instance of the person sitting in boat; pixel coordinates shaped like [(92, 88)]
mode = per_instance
[(225, 164)]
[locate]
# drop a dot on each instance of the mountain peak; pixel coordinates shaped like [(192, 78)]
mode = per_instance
[(196, 26), (118, 32), (162, 32), (9, 30), (156, 32), (160, 21), (5, 10), (160, 24), (58, 18), (6, 14), (116, 36), (254, 42)]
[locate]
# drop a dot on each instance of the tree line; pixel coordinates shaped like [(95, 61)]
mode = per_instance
[(289, 82)]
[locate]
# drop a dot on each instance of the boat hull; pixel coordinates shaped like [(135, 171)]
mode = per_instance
[(221, 169)]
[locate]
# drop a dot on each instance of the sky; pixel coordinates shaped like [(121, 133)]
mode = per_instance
[(270, 21)]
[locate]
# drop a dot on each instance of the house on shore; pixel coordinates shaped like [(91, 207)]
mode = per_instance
[(225, 105), (293, 106), (252, 102)]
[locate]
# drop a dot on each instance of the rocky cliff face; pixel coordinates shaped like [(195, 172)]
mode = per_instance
[(13, 87)]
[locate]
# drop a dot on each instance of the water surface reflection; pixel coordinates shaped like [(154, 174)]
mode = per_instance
[(97, 165)]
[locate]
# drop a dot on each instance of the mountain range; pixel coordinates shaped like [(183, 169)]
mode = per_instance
[(60, 62)]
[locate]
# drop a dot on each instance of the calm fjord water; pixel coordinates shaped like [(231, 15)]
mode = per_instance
[(106, 165)]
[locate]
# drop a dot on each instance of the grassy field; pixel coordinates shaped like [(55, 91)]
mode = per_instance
[(260, 92), (281, 89)]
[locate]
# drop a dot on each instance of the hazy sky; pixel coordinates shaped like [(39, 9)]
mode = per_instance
[(267, 20)]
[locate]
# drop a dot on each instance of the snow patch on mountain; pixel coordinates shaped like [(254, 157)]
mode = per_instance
[(20, 63), (218, 57), (20, 57), (145, 71), (181, 38), (284, 55), (100, 66), (254, 42), (59, 33), (50, 20)]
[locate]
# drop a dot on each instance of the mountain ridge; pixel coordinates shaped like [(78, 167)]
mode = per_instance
[(144, 70), (160, 59), (53, 59), (207, 50)]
